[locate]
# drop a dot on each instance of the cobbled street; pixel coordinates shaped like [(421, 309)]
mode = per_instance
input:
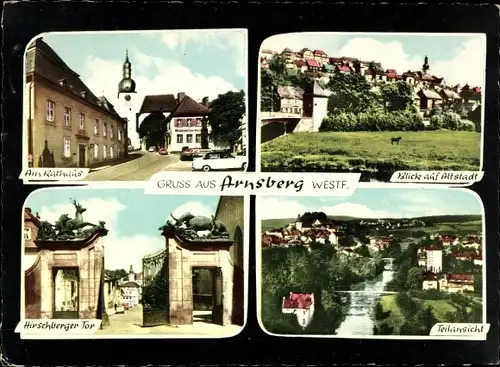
[(130, 323), (141, 168)]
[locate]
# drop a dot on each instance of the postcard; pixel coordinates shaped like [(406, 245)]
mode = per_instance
[(122, 106), (405, 263), (116, 263), (373, 103)]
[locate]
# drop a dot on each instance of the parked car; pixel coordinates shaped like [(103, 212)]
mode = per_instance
[(151, 149), (119, 309), (219, 160), (163, 151), (190, 154)]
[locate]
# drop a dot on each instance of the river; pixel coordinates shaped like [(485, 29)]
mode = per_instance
[(358, 320)]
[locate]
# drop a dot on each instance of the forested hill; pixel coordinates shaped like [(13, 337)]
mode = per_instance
[(430, 220)]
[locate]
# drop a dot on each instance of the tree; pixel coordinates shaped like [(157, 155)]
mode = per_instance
[(396, 96), (414, 279), (424, 320), (269, 98), (350, 93), (204, 132), (153, 129), (227, 111)]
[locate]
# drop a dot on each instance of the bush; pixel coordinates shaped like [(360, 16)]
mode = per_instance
[(436, 122), (451, 120), (376, 121)]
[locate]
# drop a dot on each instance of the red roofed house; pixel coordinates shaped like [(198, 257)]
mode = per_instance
[(448, 240), (300, 65), (183, 116), (429, 280), (321, 57), (457, 283), (391, 74), (312, 65), (300, 304), (343, 69)]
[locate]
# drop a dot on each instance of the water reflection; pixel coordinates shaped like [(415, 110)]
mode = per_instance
[(358, 320)]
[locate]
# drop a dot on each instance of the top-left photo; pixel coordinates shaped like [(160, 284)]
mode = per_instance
[(127, 105)]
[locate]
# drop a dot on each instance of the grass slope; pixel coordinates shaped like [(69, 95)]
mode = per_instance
[(358, 151)]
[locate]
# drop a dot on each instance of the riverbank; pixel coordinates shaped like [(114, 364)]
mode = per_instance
[(454, 308), (371, 153)]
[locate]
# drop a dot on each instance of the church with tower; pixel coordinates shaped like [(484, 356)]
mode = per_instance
[(126, 94)]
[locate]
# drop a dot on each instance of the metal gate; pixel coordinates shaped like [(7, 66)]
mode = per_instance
[(155, 305)]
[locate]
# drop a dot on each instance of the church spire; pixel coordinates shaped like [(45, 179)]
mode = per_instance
[(425, 66), (127, 84)]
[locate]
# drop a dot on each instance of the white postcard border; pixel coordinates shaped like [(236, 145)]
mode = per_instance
[(25, 152), (258, 274), (258, 143), (139, 185)]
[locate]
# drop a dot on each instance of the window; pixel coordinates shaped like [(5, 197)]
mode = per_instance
[(213, 156), (104, 129), (96, 127), (51, 109), (111, 132), (198, 138), (180, 139), (81, 122), (67, 147), (189, 138), (27, 234), (111, 152), (96, 151), (188, 123), (198, 122), (67, 117), (119, 135), (104, 151)]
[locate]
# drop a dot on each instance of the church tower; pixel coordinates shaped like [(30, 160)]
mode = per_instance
[(126, 89), (425, 66)]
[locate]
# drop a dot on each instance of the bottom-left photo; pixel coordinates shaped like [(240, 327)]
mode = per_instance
[(157, 265)]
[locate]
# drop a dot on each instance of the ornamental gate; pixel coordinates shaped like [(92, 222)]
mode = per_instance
[(155, 290)]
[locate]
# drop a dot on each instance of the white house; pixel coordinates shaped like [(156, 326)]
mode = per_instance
[(434, 259), (300, 304), (457, 283), (429, 281), (316, 103), (131, 293)]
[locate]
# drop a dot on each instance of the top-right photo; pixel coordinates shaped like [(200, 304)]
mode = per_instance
[(371, 103)]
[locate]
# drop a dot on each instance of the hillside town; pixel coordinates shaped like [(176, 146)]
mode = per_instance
[(448, 261), (430, 91)]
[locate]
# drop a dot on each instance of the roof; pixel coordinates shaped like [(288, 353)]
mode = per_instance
[(350, 58), (312, 63), (42, 60), (335, 59), (129, 285), (432, 248), (319, 53), (298, 300), (267, 51), (287, 50), (329, 67), (189, 107), (429, 94), (320, 90), (391, 71), (304, 50), (450, 94), (30, 217), (158, 103), (300, 63), (343, 68), (460, 277), (290, 92)]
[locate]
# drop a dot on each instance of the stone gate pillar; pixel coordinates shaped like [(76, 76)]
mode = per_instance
[(184, 254)]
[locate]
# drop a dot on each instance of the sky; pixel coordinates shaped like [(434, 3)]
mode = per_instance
[(460, 59), (132, 217), (198, 62), (376, 203)]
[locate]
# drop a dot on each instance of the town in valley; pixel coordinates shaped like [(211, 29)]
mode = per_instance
[(348, 276)]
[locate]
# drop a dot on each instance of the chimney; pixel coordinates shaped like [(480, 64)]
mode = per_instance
[(83, 94), (28, 210), (205, 102), (180, 96)]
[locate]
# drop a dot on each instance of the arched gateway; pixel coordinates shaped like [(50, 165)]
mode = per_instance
[(192, 242)]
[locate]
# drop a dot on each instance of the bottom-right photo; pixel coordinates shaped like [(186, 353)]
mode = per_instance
[(381, 263)]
